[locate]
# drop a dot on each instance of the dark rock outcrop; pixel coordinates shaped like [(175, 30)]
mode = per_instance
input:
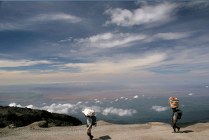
[(24, 116)]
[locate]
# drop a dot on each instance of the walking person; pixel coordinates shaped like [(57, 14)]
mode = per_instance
[(176, 113), (90, 121)]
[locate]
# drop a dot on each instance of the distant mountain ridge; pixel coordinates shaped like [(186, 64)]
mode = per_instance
[(19, 117)]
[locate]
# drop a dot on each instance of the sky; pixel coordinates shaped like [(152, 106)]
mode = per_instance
[(104, 43), (54, 54)]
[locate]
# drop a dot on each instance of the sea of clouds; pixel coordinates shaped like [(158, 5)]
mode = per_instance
[(119, 109), (68, 108)]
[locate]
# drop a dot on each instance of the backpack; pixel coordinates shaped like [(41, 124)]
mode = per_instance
[(94, 120), (179, 114)]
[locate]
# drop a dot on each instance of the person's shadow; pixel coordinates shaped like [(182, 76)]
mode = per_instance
[(104, 138), (185, 131)]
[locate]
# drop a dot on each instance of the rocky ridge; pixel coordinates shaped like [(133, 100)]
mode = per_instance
[(18, 117)]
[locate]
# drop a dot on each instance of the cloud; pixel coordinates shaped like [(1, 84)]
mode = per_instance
[(145, 15), (55, 17), (168, 36), (14, 105), (200, 4), (81, 71), (120, 40), (28, 23), (118, 111), (112, 111), (119, 65), (159, 108), (124, 98), (136, 96), (31, 106), (111, 40), (97, 101), (187, 59), (19, 63), (54, 108), (190, 94), (75, 108), (9, 26), (18, 105), (59, 108), (12, 73)]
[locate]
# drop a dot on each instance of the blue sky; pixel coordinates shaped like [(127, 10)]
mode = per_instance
[(128, 43)]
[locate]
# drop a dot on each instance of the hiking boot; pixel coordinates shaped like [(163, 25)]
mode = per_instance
[(91, 137), (174, 130)]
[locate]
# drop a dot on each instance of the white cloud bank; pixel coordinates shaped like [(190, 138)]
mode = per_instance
[(78, 107), (118, 111), (159, 108), (16, 105), (55, 108), (148, 14)]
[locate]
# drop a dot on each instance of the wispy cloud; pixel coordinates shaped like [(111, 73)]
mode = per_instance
[(9, 26), (148, 14), (119, 65), (28, 23), (120, 40), (197, 4), (19, 63), (188, 57), (168, 36), (55, 17), (110, 40), (77, 71)]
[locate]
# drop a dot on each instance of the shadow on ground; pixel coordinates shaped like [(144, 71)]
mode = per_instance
[(187, 131), (105, 137)]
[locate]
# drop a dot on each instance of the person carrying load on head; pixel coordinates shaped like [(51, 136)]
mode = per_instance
[(90, 121), (176, 112)]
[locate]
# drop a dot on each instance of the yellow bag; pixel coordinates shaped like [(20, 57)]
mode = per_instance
[(174, 102)]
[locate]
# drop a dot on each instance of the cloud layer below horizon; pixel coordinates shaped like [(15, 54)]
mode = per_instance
[(71, 109)]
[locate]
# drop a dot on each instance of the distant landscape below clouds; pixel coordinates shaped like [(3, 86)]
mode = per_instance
[(146, 105), (130, 110)]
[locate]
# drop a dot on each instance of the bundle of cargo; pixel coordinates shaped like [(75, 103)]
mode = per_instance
[(174, 102), (88, 112)]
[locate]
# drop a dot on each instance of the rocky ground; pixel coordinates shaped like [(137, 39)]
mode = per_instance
[(106, 131)]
